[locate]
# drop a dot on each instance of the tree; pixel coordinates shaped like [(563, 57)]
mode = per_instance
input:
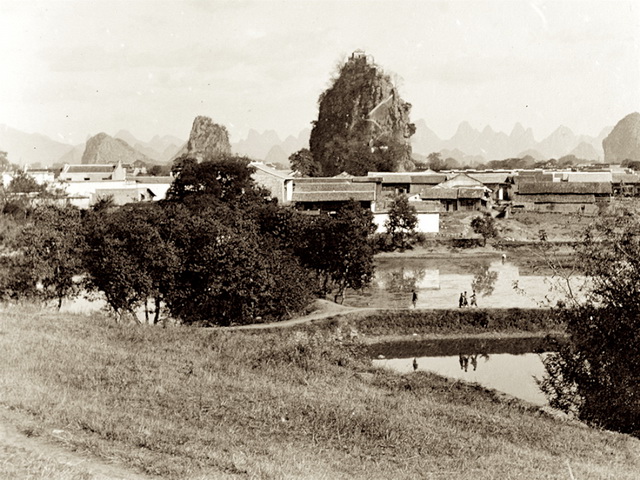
[(302, 161), (402, 222), (128, 259), (24, 183), (49, 254), (435, 162), (595, 373), (339, 249), (223, 179), (230, 273), (484, 225)]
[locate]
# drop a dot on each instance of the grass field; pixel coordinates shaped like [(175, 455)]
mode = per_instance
[(195, 403)]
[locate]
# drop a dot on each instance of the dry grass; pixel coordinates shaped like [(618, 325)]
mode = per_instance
[(194, 403)]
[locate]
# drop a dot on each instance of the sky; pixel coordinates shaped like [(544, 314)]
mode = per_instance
[(70, 69)]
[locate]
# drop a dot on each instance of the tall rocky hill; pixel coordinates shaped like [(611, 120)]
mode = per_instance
[(623, 143), (102, 148), (363, 124), (206, 140)]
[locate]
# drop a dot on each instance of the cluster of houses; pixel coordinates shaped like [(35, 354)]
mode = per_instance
[(84, 185), (431, 193), (435, 193)]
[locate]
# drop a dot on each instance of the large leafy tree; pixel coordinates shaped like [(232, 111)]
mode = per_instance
[(230, 274), (402, 222), (220, 179), (47, 260), (339, 248), (595, 374), (484, 225), (128, 258)]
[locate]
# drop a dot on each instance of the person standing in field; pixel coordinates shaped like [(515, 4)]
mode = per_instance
[(415, 364), (414, 298), (465, 302), (461, 301), (473, 299)]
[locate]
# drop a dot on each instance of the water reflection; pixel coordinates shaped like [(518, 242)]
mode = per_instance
[(512, 374), (439, 283), (465, 360), (484, 280)]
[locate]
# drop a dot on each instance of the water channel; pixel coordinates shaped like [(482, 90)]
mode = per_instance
[(510, 365), (505, 364)]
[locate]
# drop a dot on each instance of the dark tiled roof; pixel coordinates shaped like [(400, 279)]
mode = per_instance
[(90, 168), (439, 193), (551, 198), (331, 190), (161, 180), (580, 188)]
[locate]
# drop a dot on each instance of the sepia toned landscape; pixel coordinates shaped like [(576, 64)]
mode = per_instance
[(319, 240)]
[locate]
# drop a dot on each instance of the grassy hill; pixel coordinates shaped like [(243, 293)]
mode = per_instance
[(207, 403)]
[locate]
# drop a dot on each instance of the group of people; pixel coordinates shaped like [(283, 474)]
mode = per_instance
[(466, 302)]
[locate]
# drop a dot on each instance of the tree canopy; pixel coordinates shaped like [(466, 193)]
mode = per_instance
[(595, 374)]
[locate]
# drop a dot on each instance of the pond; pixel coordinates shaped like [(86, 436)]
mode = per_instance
[(440, 281), (507, 365)]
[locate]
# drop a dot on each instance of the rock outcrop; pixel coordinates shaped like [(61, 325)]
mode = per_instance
[(623, 143), (363, 124), (207, 140), (102, 148)]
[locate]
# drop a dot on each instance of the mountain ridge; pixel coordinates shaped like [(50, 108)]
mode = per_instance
[(479, 146)]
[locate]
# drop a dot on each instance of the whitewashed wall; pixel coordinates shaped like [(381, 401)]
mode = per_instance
[(427, 222)]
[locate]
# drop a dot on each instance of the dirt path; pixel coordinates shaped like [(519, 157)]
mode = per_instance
[(323, 309), (23, 456)]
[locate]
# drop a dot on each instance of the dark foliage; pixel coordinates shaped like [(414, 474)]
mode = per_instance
[(595, 374)]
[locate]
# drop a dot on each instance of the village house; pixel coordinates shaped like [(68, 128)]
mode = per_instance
[(461, 192), (327, 194), (85, 185), (562, 197)]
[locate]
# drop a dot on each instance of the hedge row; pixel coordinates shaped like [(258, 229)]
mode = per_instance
[(468, 320)]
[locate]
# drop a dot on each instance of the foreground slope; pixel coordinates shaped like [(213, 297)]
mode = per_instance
[(205, 403)]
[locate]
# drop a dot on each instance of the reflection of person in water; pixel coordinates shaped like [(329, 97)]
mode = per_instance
[(474, 361), (415, 364), (464, 362)]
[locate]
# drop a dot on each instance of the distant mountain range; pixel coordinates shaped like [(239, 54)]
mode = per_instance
[(467, 145), (472, 146)]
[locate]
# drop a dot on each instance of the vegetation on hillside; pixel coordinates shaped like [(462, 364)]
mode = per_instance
[(363, 124), (200, 403), (595, 374), (217, 251)]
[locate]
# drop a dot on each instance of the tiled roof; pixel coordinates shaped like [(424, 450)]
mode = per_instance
[(161, 180), (331, 190), (333, 196), (491, 178), (439, 193), (626, 178), (284, 174), (552, 198), (90, 168), (581, 188)]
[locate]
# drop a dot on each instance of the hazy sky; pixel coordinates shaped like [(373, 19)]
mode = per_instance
[(74, 68)]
